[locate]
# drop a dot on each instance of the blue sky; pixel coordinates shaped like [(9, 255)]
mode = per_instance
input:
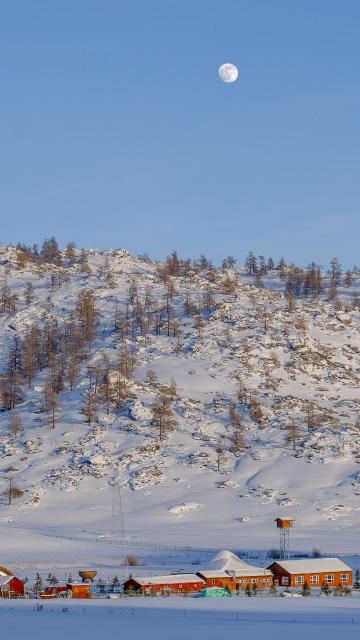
[(115, 129)]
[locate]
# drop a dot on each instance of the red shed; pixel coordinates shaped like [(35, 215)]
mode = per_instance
[(173, 583), (54, 591), (11, 587), (79, 590)]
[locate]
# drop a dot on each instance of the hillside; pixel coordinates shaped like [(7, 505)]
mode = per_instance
[(215, 399)]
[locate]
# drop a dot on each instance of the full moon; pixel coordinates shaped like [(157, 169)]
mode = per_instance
[(228, 72)]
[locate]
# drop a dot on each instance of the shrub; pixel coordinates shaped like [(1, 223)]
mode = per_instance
[(132, 561)]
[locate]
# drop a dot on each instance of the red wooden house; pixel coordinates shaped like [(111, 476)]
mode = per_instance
[(227, 570), (315, 572), (11, 587), (173, 583), (76, 590), (238, 580)]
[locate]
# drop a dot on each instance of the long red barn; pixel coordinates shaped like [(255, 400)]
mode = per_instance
[(173, 583)]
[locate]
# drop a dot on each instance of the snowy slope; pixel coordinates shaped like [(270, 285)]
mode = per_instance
[(176, 490)]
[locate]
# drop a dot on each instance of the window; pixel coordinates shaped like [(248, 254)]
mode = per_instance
[(284, 580), (299, 579), (314, 579), (329, 578), (180, 586), (344, 577), (254, 580)]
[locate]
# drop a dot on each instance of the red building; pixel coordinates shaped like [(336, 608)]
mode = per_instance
[(79, 590), (174, 583), (238, 580), (315, 572), (76, 590), (11, 587), (227, 570)]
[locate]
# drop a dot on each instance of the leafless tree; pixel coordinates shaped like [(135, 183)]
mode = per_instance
[(15, 424), (90, 401), (12, 490), (292, 435), (220, 456), (163, 417)]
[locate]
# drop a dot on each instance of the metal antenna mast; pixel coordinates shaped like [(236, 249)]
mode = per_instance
[(117, 511), (284, 525), (284, 544)]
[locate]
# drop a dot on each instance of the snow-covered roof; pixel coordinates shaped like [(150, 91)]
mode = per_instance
[(177, 578), (228, 561), (313, 565), (5, 580), (248, 571)]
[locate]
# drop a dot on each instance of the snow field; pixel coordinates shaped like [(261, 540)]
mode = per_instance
[(330, 618)]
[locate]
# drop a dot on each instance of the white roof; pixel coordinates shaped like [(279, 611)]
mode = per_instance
[(5, 580), (243, 573), (313, 565), (225, 560), (169, 579), (228, 561)]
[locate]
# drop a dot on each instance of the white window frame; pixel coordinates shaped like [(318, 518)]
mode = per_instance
[(299, 579), (314, 579), (329, 578), (344, 577)]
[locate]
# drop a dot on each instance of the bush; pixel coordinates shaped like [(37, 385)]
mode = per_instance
[(132, 561), (325, 589)]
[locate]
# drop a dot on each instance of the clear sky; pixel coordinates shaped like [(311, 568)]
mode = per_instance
[(115, 129)]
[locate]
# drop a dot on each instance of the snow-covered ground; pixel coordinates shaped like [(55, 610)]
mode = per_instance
[(330, 618), (172, 490)]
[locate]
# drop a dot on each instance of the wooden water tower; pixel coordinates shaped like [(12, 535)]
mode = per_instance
[(284, 524)]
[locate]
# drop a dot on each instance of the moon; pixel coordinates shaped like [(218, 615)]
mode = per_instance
[(228, 72)]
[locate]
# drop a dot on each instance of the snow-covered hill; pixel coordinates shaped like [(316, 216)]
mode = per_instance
[(260, 405)]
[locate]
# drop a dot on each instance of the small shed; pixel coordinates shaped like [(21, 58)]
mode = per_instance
[(11, 587), (78, 590), (54, 591), (285, 522)]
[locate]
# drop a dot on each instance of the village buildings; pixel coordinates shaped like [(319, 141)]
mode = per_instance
[(226, 571)]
